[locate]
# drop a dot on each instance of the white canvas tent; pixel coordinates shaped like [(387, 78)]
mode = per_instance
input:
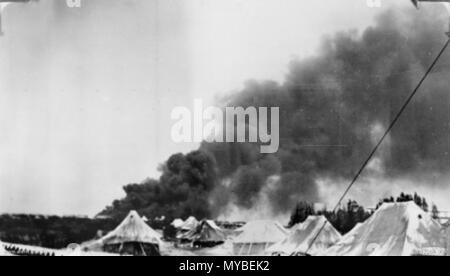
[(302, 235), (257, 236), (177, 223), (132, 237), (206, 234), (396, 229), (189, 224)]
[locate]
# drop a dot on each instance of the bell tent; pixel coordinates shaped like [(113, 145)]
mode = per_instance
[(257, 236), (132, 237)]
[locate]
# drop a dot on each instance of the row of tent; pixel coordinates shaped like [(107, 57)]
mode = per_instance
[(258, 237), (9, 249), (3, 251), (270, 238), (398, 229), (203, 233)]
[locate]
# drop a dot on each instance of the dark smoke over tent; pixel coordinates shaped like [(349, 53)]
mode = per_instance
[(182, 190), (333, 108)]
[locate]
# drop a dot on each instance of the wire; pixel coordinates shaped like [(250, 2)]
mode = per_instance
[(391, 126)]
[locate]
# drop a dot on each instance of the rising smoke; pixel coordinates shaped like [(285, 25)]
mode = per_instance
[(334, 107)]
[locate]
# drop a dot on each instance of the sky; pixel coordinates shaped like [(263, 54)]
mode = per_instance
[(86, 93)]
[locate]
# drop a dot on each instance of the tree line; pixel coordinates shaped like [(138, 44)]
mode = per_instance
[(51, 231), (351, 213)]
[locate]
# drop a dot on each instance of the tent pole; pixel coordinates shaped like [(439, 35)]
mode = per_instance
[(241, 249), (447, 242), (249, 249), (143, 251)]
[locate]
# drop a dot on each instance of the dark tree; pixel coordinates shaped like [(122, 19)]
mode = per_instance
[(301, 212), (435, 212)]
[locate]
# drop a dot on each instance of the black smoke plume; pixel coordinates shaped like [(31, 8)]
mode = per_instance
[(182, 190), (333, 108)]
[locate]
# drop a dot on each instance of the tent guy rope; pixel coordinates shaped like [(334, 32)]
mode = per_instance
[(388, 130)]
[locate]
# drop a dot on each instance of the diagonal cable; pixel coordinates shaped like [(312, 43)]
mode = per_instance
[(388, 130)]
